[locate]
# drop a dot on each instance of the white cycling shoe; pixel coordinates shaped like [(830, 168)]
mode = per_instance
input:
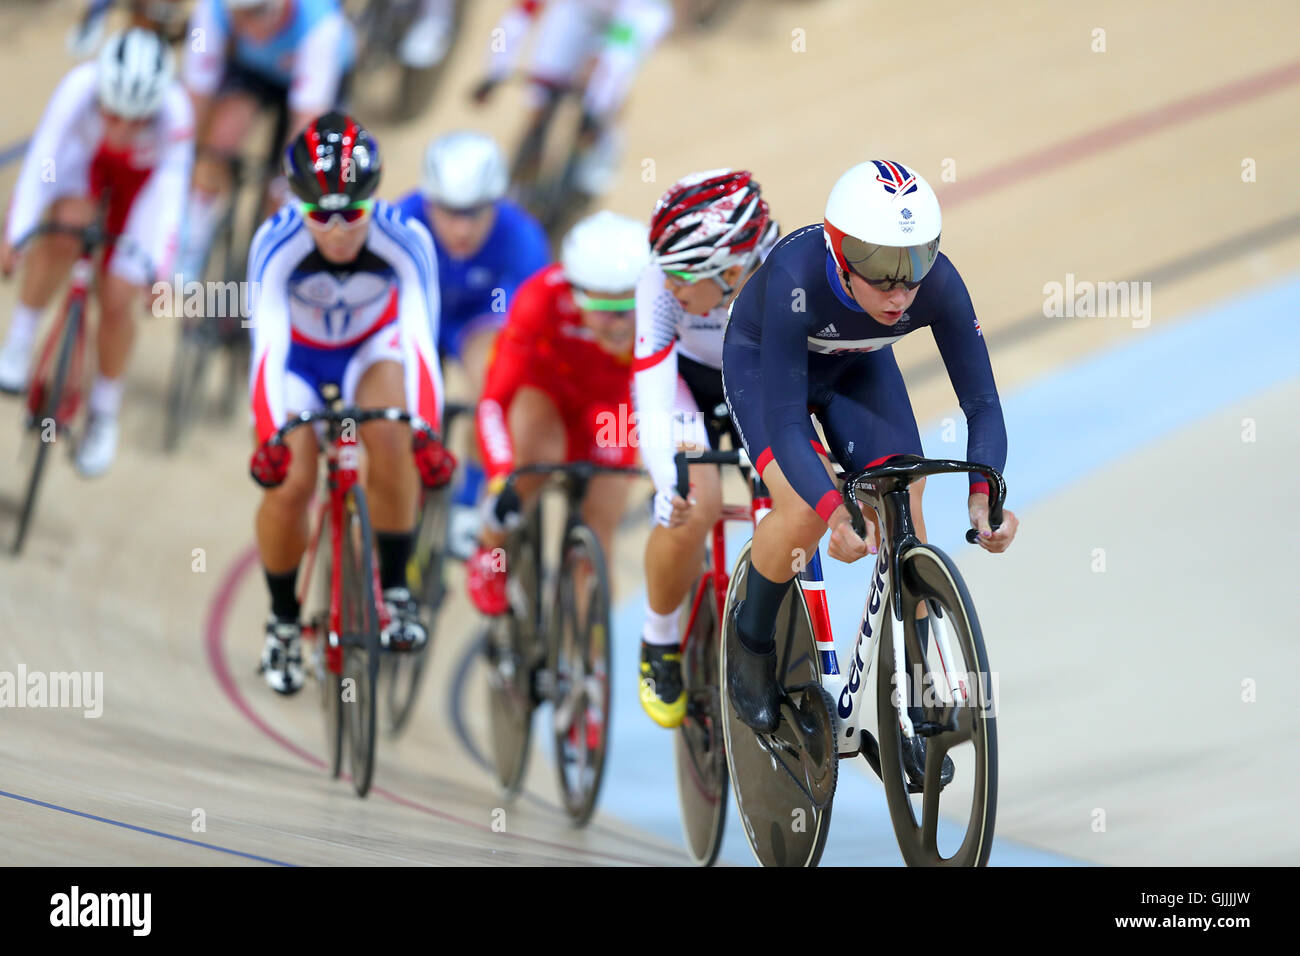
[(404, 631), (15, 364), (98, 446), (282, 656)]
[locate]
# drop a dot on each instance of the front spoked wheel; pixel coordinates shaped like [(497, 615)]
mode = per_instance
[(581, 668), (45, 407), (953, 710), (701, 759), (512, 659), (784, 782), (360, 638)]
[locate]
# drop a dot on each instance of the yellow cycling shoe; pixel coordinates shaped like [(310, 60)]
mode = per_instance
[(662, 696)]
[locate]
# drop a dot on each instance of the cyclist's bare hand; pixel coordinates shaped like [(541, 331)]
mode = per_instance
[(993, 541), (845, 545)]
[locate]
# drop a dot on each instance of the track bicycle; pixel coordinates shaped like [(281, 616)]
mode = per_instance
[(702, 779), (344, 611), (934, 688), (57, 385), (553, 645)]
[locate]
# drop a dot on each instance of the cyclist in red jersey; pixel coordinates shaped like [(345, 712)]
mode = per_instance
[(559, 387)]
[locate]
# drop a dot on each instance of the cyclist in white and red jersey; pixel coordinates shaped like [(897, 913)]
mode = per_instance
[(255, 54), (708, 233), (598, 46), (117, 133), (346, 293)]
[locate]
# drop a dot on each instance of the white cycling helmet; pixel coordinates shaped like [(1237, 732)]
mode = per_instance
[(883, 222), (463, 170), (249, 4), (135, 71), (605, 253)]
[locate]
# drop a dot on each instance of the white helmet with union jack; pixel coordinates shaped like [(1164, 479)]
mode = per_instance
[(883, 223)]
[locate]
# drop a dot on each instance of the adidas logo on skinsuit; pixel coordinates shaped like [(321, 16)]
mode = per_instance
[(829, 332)]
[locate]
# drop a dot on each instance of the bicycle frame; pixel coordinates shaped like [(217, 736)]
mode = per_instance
[(897, 536), (83, 274), (342, 457), (718, 576)]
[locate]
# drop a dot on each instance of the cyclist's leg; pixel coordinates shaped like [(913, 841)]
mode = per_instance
[(45, 268), (673, 556), (392, 484), (472, 346), (869, 416), (283, 519), (233, 113)]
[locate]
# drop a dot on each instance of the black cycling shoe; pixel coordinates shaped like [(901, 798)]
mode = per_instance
[(751, 682), (912, 752)]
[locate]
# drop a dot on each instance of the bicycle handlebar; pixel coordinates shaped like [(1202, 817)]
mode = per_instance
[(358, 415), (912, 467), (684, 459)]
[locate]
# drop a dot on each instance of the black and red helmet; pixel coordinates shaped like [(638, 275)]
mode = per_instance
[(708, 222), (333, 156)]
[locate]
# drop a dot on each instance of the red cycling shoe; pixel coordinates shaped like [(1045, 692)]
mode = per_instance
[(485, 580)]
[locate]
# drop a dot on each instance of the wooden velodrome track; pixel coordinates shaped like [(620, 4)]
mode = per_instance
[(1122, 690)]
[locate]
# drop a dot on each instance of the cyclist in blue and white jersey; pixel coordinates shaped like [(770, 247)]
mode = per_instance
[(486, 246)]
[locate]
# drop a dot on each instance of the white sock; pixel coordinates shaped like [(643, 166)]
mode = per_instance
[(661, 628), (105, 397), (22, 330)]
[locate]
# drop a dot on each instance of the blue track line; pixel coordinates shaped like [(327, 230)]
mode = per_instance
[(132, 826)]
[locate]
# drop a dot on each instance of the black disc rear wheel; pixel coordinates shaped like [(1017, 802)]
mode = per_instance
[(783, 782)]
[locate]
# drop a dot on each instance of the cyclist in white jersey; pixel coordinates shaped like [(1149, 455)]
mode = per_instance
[(596, 45), (346, 294), (118, 134), (709, 232)]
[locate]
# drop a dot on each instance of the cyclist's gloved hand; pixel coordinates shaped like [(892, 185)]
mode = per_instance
[(670, 509), (269, 465), (502, 509), (435, 462)]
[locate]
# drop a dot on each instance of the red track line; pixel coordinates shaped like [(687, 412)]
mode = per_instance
[(214, 638), (1120, 132)]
